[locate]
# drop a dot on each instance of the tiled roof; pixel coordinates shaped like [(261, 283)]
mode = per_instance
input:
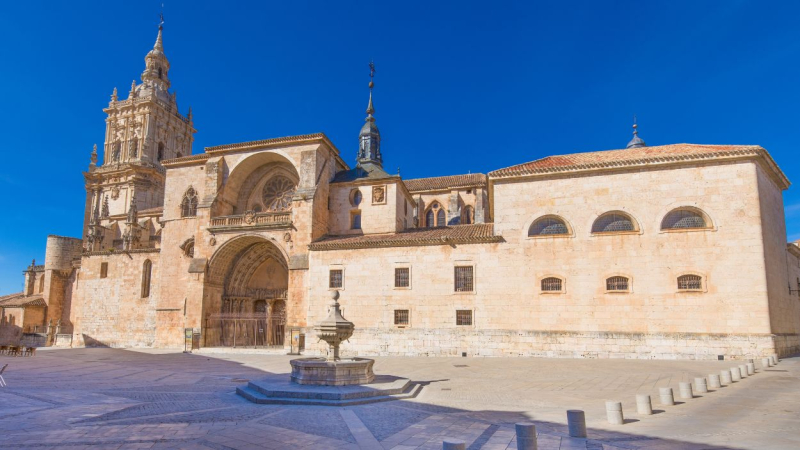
[(366, 171), (19, 300), (280, 140), (459, 234), (448, 182), (641, 156), (184, 159)]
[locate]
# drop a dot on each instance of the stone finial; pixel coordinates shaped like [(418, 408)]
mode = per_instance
[(93, 158), (189, 115), (114, 95), (132, 93)]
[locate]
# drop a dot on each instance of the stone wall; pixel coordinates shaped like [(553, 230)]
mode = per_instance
[(111, 311)]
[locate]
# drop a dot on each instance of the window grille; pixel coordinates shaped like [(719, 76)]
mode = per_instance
[(103, 270), (690, 282), (401, 277), (335, 281), (357, 221), (552, 284), (189, 203), (548, 226), (683, 219), (277, 194), (117, 152), (463, 317), (612, 223), (464, 280), (618, 284), (401, 317), (147, 268)]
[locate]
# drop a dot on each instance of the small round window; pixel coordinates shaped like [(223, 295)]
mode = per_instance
[(356, 197)]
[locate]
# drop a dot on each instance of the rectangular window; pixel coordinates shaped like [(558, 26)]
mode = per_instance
[(401, 317), (103, 270), (401, 277), (464, 281), (335, 281), (464, 317), (356, 221), (617, 284)]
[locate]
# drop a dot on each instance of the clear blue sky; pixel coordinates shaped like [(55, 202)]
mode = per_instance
[(460, 86)]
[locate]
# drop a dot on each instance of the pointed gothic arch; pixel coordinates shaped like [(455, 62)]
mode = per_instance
[(189, 203)]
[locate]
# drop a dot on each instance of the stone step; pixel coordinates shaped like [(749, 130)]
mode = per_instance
[(257, 397), (292, 390)]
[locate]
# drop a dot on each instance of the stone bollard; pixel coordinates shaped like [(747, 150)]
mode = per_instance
[(725, 377), (453, 444), (743, 370), (751, 368), (765, 363), (775, 360), (643, 404), (685, 390), (666, 397), (700, 385), (614, 413), (576, 420), (713, 381), (526, 436), (736, 375)]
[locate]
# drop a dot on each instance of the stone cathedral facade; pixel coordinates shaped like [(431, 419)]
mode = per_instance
[(673, 251)]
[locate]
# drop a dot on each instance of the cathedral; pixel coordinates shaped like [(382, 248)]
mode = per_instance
[(670, 251)]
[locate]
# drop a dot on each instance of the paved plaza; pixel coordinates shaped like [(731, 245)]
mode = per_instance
[(132, 399)]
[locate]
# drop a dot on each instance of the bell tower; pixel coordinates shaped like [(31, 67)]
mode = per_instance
[(141, 131)]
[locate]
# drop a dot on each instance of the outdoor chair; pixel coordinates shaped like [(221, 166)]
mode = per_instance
[(2, 381), (29, 351), (14, 351), (3, 349)]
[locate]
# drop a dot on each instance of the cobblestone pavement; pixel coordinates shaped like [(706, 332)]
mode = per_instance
[(149, 399)]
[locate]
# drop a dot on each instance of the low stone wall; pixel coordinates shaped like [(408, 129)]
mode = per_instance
[(550, 344)]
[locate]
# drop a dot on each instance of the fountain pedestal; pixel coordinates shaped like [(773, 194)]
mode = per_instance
[(333, 370)]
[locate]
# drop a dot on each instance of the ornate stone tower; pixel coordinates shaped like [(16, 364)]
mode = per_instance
[(141, 131)]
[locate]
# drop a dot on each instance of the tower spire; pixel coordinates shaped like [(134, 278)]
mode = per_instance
[(636, 142), (370, 138)]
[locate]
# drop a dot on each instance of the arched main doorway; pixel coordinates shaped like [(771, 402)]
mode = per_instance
[(246, 293)]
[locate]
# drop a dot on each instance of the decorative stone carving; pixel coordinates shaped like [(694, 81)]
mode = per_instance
[(249, 217), (378, 194), (114, 192), (277, 194), (104, 214), (213, 241)]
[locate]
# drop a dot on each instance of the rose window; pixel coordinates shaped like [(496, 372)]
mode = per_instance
[(277, 194)]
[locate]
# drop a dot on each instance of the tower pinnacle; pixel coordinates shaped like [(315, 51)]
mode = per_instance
[(370, 138)]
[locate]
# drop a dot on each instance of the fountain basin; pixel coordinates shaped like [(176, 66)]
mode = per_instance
[(343, 372)]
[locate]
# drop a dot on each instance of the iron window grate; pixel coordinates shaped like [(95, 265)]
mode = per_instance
[(690, 282), (464, 317), (401, 317), (401, 277), (618, 284), (552, 284), (335, 281), (464, 280)]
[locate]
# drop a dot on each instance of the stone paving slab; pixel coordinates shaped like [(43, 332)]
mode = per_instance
[(120, 399)]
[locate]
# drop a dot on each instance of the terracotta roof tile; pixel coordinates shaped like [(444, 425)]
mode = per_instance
[(633, 157), (448, 182), (19, 300), (459, 234)]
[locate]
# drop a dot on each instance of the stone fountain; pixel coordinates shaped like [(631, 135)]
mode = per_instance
[(333, 370), (332, 381)]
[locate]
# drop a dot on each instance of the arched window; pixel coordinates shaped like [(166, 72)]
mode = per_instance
[(356, 197), (436, 216), (356, 225), (683, 219), (115, 154), (613, 222), (188, 248), (160, 151), (468, 212), (617, 284), (147, 267), (160, 73), (430, 218), (41, 283), (179, 155), (548, 226), (552, 284), (441, 219), (277, 194), (690, 282), (189, 203), (133, 148)]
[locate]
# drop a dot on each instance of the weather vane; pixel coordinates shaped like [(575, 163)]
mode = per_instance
[(162, 16), (371, 69)]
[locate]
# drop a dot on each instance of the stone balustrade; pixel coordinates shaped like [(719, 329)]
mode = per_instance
[(251, 220)]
